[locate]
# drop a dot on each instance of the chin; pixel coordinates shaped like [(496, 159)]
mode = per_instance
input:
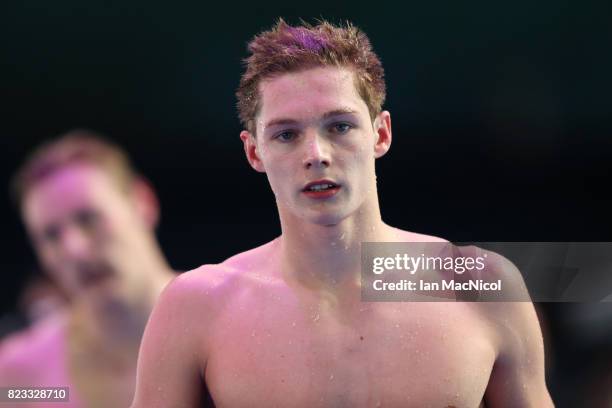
[(325, 218), (106, 289), (322, 214)]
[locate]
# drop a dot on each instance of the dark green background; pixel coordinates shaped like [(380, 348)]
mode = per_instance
[(501, 114)]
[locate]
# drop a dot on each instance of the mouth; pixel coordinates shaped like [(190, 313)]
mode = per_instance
[(93, 275), (320, 189)]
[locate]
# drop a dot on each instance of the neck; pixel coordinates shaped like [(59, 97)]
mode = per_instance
[(327, 258), (117, 318)]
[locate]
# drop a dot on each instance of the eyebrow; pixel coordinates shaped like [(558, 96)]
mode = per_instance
[(326, 115)]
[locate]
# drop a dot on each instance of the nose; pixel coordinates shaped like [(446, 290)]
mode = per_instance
[(75, 243), (317, 154)]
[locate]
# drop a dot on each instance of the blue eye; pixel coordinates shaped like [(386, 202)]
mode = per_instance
[(285, 136), (341, 128)]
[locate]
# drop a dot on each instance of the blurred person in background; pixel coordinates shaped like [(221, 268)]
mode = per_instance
[(91, 219), (40, 298)]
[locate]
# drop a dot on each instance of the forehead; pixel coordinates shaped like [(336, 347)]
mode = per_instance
[(309, 92), (70, 187)]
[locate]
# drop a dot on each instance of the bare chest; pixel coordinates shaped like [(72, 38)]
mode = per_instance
[(398, 355), (101, 378)]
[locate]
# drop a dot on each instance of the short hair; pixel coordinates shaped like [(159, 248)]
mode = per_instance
[(285, 49), (76, 146)]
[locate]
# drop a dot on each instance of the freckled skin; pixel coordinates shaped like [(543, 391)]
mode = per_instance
[(283, 325)]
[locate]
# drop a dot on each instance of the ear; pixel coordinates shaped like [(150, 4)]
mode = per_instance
[(382, 129), (147, 204), (250, 149)]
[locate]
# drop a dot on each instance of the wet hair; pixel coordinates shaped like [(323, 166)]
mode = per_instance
[(285, 49)]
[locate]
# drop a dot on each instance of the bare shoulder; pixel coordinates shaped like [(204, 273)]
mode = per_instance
[(510, 322), (253, 259), (409, 236), (13, 354), (180, 334), (210, 286), (23, 353), (513, 296), (518, 377), (175, 347), (194, 290), (498, 268)]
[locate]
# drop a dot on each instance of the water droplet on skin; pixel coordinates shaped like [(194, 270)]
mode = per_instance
[(397, 325), (253, 333), (316, 318), (331, 377), (293, 324)]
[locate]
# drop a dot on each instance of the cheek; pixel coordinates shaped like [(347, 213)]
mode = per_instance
[(49, 257), (116, 220), (261, 149), (360, 160), (113, 236), (280, 173), (60, 275), (57, 268), (276, 181), (46, 251), (361, 171)]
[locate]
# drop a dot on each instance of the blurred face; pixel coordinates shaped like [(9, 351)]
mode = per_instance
[(317, 144), (86, 231)]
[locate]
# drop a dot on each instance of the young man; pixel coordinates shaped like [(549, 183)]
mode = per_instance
[(283, 325), (91, 219)]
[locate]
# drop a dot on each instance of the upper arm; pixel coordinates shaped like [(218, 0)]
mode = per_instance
[(170, 360), (518, 376)]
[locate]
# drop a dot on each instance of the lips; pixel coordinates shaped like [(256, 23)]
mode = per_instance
[(320, 189), (93, 274)]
